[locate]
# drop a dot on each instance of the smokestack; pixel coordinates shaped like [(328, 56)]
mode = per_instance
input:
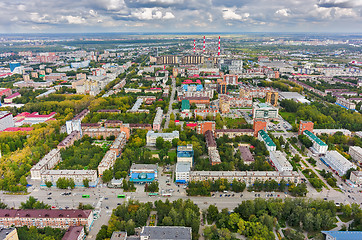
[(194, 46), (204, 45), (218, 49)]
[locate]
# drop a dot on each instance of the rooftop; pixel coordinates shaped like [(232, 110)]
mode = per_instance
[(314, 137)]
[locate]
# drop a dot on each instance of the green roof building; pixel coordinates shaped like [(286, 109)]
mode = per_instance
[(185, 105)]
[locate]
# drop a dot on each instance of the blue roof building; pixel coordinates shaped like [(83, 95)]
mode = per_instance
[(343, 235)]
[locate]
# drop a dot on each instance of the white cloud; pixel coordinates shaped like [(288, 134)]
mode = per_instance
[(282, 12)]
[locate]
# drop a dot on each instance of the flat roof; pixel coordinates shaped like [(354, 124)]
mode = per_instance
[(315, 138)]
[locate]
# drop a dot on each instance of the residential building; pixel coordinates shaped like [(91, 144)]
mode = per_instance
[(249, 177), (264, 137), (356, 153), (49, 161), (9, 234), (158, 119), (246, 155), (77, 175), (143, 173), (41, 218), (74, 233), (342, 235), (279, 161), (272, 98), (6, 120), (305, 125), (259, 125), (152, 136), (337, 162), (265, 111), (203, 126), (182, 172), (231, 133), (318, 145), (356, 177), (166, 232)]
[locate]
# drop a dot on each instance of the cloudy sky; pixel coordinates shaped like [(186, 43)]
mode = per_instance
[(23, 16)]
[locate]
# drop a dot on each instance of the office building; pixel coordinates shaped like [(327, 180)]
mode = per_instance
[(41, 218), (182, 172), (305, 125), (318, 145), (6, 120), (152, 136), (166, 232), (185, 154), (265, 111), (272, 98), (264, 137), (337, 162), (143, 173), (356, 153), (279, 161), (9, 234)]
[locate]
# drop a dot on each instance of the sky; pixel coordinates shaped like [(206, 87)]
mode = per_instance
[(77, 16)]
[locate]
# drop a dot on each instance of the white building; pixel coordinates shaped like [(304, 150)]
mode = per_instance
[(318, 145), (356, 153), (280, 162), (182, 172), (77, 175), (337, 162), (6, 120), (158, 120), (152, 136), (47, 162), (265, 111)]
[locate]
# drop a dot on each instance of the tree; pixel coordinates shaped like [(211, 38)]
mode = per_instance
[(107, 176), (86, 182), (159, 142), (48, 184)]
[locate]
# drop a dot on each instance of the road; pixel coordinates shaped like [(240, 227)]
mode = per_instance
[(172, 99)]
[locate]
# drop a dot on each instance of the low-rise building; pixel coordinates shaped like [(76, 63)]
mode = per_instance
[(318, 145), (245, 176), (143, 173), (356, 153), (74, 233), (246, 155), (356, 177), (264, 137), (279, 161), (152, 136), (166, 232), (77, 175), (231, 133), (47, 162), (337, 162), (41, 218), (182, 172)]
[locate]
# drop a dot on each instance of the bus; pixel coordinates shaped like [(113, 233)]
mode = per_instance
[(153, 194), (85, 196), (121, 196)]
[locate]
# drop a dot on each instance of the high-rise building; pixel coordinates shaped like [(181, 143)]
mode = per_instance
[(221, 86), (272, 98), (305, 125)]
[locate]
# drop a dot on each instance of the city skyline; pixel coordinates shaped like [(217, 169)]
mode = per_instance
[(180, 16)]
